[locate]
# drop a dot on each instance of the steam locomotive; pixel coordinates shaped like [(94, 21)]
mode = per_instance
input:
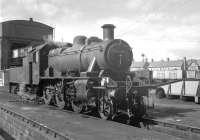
[(90, 74)]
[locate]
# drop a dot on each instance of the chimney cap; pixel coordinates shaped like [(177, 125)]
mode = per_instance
[(108, 26), (168, 59), (31, 19)]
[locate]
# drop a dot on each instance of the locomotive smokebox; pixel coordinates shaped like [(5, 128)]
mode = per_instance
[(108, 31)]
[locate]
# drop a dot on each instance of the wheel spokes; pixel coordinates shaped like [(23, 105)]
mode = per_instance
[(77, 106), (47, 96), (60, 103), (105, 108)]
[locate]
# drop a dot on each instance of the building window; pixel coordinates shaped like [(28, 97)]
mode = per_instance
[(161, 75), (20, 52), (35, 57), (191, 74), (172, 75), (15, 53)]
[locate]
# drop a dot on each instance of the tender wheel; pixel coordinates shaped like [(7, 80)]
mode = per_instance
[(105, 108), (47, 96), (60, 102), (77, 106)]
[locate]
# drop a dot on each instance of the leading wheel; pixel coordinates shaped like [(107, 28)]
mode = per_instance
[(60, 102), (105, 108), (47, 96), (77, 106)]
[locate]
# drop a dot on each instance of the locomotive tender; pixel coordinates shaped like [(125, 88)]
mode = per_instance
[(90, 74)]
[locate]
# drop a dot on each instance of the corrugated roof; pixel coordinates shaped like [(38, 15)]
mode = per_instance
[(159, 64), (26, 22)]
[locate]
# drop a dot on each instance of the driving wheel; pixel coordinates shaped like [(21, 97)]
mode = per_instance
[(105, 108), (47, 96)]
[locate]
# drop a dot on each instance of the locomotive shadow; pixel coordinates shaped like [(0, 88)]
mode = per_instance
[(165, 112), (125, 119)]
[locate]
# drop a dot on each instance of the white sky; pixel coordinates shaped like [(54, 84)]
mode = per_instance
[(157, 28)]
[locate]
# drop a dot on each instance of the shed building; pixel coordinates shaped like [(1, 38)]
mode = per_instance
[(193, 69), (15, 36), (167, 69)]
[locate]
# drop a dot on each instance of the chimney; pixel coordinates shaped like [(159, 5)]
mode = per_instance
[(108, 31), (31, 19), (184, 63), (168, 59), (184, 68)]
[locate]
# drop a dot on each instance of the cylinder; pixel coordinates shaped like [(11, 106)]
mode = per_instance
[(108, 31)]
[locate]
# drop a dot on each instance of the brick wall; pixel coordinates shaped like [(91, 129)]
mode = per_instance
[(22, 129)]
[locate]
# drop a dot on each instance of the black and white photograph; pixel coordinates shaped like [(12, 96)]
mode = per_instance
[(99, 69)]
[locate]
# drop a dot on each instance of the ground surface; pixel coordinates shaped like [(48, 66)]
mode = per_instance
[(78, 126), (176, 111)]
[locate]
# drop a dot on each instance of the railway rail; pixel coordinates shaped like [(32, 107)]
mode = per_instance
[(172, 129), (179, 130), (189, 132), (152, 124)]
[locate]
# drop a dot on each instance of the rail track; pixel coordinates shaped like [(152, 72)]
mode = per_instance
[(174, 129), (179, 130)]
